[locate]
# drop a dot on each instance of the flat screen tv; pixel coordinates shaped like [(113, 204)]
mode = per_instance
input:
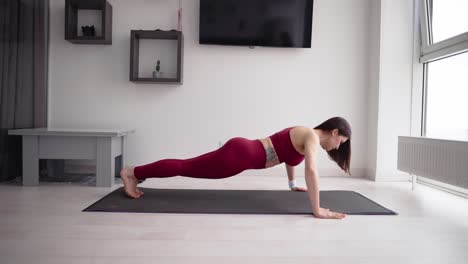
[(270, 23)]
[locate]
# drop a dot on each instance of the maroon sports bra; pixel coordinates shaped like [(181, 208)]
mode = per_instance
[(285, 149)]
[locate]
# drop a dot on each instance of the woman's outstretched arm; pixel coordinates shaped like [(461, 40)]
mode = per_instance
[(292, 180), (312, 179), (290, 171)]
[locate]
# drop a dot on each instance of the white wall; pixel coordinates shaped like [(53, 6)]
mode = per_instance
[(393, 68), (373, 99), (227, 91)]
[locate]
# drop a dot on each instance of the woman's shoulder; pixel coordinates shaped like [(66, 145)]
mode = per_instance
[(303, 133), (302, 129)]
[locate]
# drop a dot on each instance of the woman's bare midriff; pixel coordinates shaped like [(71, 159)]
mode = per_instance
[(271, 156)]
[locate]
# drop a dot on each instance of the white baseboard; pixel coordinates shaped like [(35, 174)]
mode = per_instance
[(89, 167), (391, 176), (280, 170), (370, 174)]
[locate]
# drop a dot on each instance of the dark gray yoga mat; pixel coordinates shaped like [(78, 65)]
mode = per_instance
[(235, 202)]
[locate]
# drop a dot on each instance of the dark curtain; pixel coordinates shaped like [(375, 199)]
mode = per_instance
[(24, 42)]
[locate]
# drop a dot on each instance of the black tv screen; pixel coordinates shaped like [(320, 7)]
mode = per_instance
[(272, 23)]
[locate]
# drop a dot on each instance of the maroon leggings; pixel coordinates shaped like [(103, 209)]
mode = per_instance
[(237, 155)]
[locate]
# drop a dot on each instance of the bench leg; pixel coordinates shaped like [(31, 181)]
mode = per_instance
[(30, 160), (124, 152), (105, 163)]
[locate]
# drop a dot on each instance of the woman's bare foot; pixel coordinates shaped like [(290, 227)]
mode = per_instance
[(130, 183)]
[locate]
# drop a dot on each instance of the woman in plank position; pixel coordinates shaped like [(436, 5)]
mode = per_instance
[(291, 146)]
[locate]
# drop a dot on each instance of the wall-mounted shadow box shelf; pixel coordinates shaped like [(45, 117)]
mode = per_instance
[(176, 42), (73, 23)]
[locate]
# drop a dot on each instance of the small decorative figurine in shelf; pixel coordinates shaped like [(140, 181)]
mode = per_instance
[(88, 31), (157, 73)]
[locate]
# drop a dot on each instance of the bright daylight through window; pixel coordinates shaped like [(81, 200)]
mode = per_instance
[(447, 78)]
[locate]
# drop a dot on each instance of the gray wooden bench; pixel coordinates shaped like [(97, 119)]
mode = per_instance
[(102, 145)]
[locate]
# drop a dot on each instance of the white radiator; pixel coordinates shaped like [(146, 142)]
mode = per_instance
[(441, 160)]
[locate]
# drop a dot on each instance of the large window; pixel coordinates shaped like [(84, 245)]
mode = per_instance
[(447, 98), (444, 36), (449, 18)]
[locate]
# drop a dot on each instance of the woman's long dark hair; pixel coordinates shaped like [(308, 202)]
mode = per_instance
[(342, 155)]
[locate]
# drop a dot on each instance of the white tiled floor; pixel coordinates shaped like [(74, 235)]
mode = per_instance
[(44, 224)]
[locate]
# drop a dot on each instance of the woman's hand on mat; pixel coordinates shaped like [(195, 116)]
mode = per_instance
[(299, 189), (327, 214)]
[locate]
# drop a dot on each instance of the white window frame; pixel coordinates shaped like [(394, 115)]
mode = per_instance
[(429, 52), (424, 52), (442, 49)]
